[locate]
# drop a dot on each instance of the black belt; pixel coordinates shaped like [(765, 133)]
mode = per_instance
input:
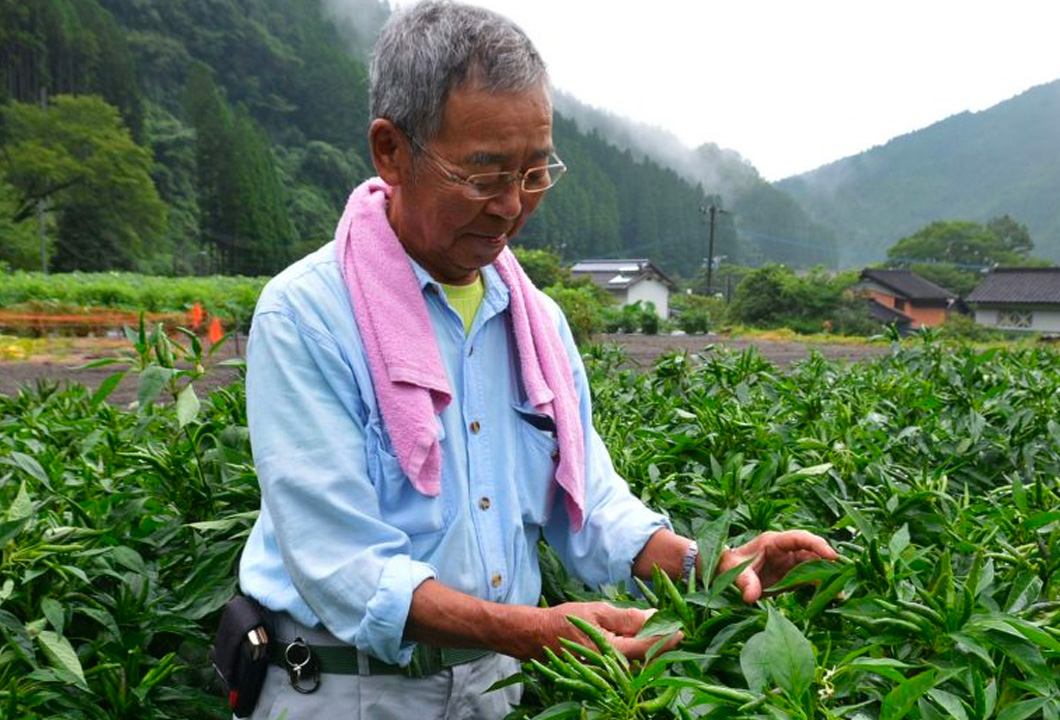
[(343, 659)]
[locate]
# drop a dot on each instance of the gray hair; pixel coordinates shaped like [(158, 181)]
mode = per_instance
[(426, 51)]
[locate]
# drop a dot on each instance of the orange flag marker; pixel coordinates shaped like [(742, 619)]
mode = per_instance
[(215, 333)]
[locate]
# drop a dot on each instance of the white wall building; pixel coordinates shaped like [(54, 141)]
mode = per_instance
[(1018, 299), (630, 281)]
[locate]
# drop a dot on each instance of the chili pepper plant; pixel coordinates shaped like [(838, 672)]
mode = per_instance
[(932, 470)]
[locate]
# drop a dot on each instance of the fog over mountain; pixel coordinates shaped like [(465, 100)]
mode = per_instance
[(971, 166)]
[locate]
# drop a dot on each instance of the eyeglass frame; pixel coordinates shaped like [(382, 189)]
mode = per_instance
[(469, 187)]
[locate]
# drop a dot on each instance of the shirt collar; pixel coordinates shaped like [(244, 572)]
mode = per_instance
[(496, 291)]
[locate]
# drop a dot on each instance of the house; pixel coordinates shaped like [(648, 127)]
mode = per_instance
[(904, 297), (1018, 299), (629, 281)]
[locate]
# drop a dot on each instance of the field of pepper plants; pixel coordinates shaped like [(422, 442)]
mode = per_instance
[(932, 470)]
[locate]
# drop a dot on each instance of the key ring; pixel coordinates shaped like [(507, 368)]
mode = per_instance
[(300, 661)]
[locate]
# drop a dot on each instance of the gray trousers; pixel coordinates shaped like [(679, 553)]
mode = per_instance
[(457, 693)]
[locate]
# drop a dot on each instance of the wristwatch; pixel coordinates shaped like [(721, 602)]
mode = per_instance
[(691, 555)]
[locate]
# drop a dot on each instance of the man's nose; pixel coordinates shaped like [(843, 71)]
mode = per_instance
[(509, 204)]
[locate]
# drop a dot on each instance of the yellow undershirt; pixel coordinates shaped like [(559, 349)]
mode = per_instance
[(465, 299)]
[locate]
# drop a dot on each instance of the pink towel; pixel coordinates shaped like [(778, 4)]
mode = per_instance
[(411, 386)]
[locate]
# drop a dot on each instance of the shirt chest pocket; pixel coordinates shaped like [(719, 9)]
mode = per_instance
[(400, 504), (535, 464)]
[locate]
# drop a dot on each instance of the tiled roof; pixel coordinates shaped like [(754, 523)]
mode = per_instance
[(620, 274), (907, 284), (1019, 285)]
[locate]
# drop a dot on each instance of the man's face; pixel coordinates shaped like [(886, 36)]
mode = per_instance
[(448, 234)]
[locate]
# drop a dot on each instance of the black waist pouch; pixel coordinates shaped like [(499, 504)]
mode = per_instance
[(240, 653)]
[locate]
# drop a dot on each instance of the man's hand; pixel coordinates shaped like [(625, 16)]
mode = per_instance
[(619, 625), (773, 554)]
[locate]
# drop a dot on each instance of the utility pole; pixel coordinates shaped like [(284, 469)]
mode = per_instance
[(40, 203), (713, 210), (710, 251)]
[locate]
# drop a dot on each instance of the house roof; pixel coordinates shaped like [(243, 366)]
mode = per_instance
[(1019, 285), (907, 284), (620, 274)]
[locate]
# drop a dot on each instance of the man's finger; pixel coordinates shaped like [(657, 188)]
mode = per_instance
[(623, 621), (797, 541), (636, 648), (749, 584)]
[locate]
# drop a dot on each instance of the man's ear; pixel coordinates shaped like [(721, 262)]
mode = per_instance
[(390, 151)]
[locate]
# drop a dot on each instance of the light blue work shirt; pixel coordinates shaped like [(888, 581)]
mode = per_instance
[(343, 539)]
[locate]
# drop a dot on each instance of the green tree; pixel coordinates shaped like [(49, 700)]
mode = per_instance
[(1013, 235), (542, 266), (954, 253), (774, 296), (19, 240), (244, 206), (79, 159), (958, 242)]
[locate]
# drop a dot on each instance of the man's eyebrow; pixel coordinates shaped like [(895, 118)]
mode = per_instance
[(485, 159)]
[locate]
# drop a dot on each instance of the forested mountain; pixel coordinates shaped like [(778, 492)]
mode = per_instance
[(770, 225), (180, 136), (973, 166)]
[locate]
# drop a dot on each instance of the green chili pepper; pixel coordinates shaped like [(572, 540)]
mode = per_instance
[(581, 651), (593, 633)]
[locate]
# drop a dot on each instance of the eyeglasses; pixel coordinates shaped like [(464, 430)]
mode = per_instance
[(483, 186)]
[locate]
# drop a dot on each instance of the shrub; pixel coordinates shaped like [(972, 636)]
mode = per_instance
[(582, 308), (696, 314)]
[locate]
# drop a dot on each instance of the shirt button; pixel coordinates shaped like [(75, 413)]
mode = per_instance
[(475, 427), (496, 580), (484, 503), (555, 454)]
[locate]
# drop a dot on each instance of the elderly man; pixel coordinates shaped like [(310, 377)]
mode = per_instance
[(420, 415)]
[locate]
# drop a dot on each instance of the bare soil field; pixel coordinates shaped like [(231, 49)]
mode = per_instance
[(642, 350)]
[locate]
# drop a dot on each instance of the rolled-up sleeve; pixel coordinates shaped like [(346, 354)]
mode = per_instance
[(351, 570), (617, 524)]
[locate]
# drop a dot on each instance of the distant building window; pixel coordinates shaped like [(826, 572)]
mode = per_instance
[(899, 303), (1018, 319)]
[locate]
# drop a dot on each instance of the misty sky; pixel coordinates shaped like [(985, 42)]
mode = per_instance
[(792, 85)]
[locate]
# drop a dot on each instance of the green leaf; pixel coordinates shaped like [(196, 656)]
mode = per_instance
[(803, 473), (726, 579), (950, 703), (11, 528), (22, 506), (860, 522), (885, 667), (791, 661), (17, 637), (128, 558), (152, 380), (562, 711), (829, 591), (900, 700), (807, 572), (899, 542), (61, 655), (754, 661), (28, 465), (661, 623), (1021, 710), (187, 405), (53, 611), (107, 387), (1039, 520), (711, 540)]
